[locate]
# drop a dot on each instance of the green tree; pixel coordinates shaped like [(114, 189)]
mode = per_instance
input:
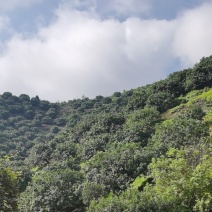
[(115, 168), (53, 190), (183, 180), (8, 190), (142, 122), (176, 133)]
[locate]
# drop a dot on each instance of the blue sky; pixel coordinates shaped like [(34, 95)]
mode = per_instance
[(64, 49)]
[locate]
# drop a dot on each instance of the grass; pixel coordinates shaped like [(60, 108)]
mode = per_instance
[(137, 182), (201, 97), (204, 97)]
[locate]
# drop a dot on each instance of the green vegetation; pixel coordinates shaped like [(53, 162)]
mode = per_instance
[(8, 188), (147, 149)]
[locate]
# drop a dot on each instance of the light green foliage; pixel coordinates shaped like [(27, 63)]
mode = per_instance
[(208, 117), (8, 189), (137, 182), (199, 96), (183, 178)]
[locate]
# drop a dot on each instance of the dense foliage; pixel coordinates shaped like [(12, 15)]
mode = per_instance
[(147, 149)]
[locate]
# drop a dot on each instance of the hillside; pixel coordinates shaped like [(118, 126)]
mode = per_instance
[(146, 149)]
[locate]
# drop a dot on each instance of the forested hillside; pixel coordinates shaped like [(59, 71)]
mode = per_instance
[(146, 149)]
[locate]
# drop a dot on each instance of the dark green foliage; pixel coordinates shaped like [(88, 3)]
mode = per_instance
[(138, 99), (21, 120), (35, 101), (55, 190), (141, 124), (52, 112), (99, 98), (6, 95), (54, 129), (106, 100), (4, 114), (60, 121), (195, 112), (115, 168), (178, 133), (24, 97), (117, 94), (161, 100), (44, 105), (200, 76)]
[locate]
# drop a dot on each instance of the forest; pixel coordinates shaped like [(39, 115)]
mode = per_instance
[(148, 149)]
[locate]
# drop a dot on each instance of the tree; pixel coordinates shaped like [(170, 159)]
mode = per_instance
[(35, 101), (161, 100), (183, 180), (115, 168), (6, 95), (180, 132), (8, 190), (24, 97), (142, 122), (52, 190)]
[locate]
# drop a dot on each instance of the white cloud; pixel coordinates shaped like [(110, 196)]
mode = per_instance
[(79, 54), (6, 5), (193, 35)]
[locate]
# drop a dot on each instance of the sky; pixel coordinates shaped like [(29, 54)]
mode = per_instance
[(65, 49)]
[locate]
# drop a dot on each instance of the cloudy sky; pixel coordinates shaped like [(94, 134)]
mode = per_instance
[(64, 49)]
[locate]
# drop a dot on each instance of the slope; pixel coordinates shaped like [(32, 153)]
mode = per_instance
[(116, 153)]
